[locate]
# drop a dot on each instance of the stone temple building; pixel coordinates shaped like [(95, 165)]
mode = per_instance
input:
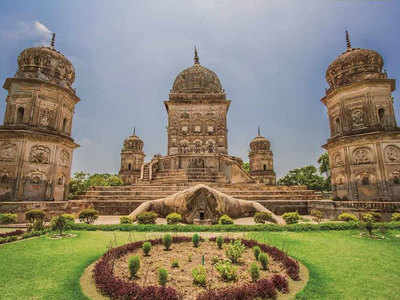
[(197, 139), (364, 146), (35, 140)]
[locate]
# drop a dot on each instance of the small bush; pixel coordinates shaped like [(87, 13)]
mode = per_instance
[(88, 215), (220, 241), (162, 276), (125, 220), (174, 218), (167, 241), (214, 260), (58, 223), (199, 276), (196, 240), (134, 265), (261, 217), (396, 217), (34, 214), (367, 217), (263, 258), (317, 215), (8, 218), (281, 283), (254, 272), (175, 263), (146, 248), (291, 217), (148, 217), (225, 220), (226, 270), (235, 250), (347, 217), (69, 218), (256, 251), (37, 225), (377, 216)]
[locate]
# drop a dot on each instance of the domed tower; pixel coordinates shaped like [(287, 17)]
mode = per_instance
[(35, 141), (261, 160), (197, 109), (364, 146), (132, 159)]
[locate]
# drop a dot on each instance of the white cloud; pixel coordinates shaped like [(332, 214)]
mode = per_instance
[(36, 31)]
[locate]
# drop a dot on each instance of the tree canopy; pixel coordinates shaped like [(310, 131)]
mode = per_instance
[(81, 181)]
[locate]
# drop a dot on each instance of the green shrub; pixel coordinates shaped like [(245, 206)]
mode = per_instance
[(162, 276), (377, 216), (254, 272), (317, 215), (134, 265), (263, 258), (235, 250), (226, 270), (291, 217), (196, 240), (37, 225), (175, 263), (34, 214), (367, 217), (58, 223), (199, 276), (220, 241), (148, 217), (174, 218), (167, 241), (88, 215), (215, 259), (256, 251), (146, 248), (125, 220), (261, 217), (396, 217), (347, 217), (8, 218), (69, 218), (225, 220)]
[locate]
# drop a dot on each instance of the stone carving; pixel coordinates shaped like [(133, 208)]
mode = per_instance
[(392, 153), (337, 158), (46, 116), (39, 154), (202, 199), (196, 163), (8, 151), (362, 156), (357, 117), (64, 158)]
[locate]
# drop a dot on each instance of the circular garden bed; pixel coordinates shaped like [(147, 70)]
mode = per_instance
[(283, 276)]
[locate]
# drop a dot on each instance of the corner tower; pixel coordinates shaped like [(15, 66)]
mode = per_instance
[(132, 159), (261, 160), (35, 140), (197, 109), (364, 146)]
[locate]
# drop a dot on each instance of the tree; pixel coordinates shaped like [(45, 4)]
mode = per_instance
[(81, 181), (324, 168), (305, 176), (246, 167)]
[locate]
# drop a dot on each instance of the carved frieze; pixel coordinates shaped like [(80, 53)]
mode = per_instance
[(392, 153), (46, 117), (40, 154), (64, 158), (362, 155), (8, 151)]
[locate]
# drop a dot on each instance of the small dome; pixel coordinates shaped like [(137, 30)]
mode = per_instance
[(260, 143), (197, 79), (354, 65), (46, 63), (133, 143)]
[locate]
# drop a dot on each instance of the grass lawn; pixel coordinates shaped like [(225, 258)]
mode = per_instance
[(342, 266)]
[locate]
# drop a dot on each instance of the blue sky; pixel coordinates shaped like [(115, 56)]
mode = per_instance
[(270, 56)]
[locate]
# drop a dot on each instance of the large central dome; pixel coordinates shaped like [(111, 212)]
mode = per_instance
[(197, 79)]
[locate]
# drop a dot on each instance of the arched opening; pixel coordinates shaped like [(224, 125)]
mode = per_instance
[(4, 179), (201, 215), (20, 115), (381, 115), (396, 180), (61, 180), (265, 167), (129, 166), (64, 125), (365, 180), (337, 121)]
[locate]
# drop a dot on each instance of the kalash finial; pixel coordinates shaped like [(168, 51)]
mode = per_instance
[(348, 43), (134, 130), (53, 40), (196, 57), (259, 132)]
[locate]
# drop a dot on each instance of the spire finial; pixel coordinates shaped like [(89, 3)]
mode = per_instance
[(259, 134), (348, 43), (53, 40), (134, 130), (196, 56)]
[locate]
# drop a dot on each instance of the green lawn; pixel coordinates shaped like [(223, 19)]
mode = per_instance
[(342, 266)]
